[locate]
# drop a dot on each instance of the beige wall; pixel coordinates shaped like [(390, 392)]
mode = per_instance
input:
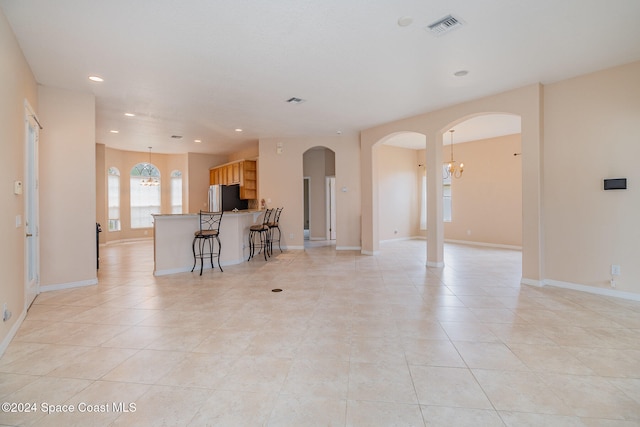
[(281, 180), (198, 180), (399, 193), (67, 188), (592, 132), (250, 153), (487, 199), (16, 85)]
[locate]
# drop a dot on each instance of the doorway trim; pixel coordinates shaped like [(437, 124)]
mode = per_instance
[(330, 197), (31, 206)]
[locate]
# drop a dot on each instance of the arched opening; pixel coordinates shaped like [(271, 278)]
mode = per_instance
[(319, 172), (401, 196), (485, 201)]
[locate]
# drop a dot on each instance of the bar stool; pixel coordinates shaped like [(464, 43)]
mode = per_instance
[(274, 224), (261, 231), (209, 230)]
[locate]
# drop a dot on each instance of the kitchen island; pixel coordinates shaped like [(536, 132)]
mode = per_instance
[(173, 237)]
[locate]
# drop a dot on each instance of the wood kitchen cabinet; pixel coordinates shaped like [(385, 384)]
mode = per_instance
[(243, 172), (249, 181)]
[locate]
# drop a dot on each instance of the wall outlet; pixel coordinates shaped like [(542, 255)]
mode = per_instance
[(615, 270), (613, 283), (291, 236)]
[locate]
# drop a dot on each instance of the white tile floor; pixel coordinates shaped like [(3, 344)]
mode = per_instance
[(351, 341)]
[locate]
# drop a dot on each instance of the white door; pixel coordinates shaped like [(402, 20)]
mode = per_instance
[(331, 208), (30, 189)]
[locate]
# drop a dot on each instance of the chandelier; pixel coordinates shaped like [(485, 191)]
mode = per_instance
[(451, 170), (148, 170)]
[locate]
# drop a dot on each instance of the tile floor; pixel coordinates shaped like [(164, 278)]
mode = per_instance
[(350, 341)]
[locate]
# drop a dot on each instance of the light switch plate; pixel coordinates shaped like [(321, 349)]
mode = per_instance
[(17, 187)]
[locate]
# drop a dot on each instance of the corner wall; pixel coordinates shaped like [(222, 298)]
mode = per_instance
[(16, 85), (67, 188)]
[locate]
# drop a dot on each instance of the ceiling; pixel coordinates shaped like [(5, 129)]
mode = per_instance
[(200, 69)]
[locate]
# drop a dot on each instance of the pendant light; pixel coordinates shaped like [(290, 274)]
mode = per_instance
[(150, 181), (451, 170)]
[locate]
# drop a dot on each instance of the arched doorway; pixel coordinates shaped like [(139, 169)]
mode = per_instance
[(483, 205), (525, 102), (319, 170)]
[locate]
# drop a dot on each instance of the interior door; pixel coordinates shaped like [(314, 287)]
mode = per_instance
[(331, 208), (30, 189)]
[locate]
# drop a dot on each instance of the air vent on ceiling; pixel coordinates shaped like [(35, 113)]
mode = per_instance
[(176, 136), (295, 100), (444, 25)]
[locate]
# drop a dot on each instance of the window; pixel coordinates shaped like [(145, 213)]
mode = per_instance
[(113, 195), (446, 198), (145, 194), (176, 192), (446, 194)]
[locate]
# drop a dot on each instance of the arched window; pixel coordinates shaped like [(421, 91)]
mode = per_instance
[(145, 194), (176, 192), (113, 195)]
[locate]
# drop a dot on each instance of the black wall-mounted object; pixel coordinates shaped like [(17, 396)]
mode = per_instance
[(615, 184)]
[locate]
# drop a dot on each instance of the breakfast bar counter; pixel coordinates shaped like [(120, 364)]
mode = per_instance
[(173, 237)]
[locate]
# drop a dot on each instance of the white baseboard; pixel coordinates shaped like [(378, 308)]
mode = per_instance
[(70, 285), (363, 252), (435, 264), (490, 245), (532, 282), (593, 290), (12, 332), (348, 248)]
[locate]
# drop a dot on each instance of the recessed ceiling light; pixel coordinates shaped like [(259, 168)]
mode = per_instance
[(129, 114), (114, 131), (405, 21), (197, 141), (295, 100), (238, 130), (461, 73), (97, 79)]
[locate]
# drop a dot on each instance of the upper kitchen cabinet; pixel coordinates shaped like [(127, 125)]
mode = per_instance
[(242, 172)]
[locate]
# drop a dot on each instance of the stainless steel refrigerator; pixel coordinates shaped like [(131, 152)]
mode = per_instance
[(215, 198), (224, 198)]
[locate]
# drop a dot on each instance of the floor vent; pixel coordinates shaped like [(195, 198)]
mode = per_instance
[(444, 25)]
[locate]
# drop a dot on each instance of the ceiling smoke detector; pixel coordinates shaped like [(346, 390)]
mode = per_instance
[(444, 25)]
